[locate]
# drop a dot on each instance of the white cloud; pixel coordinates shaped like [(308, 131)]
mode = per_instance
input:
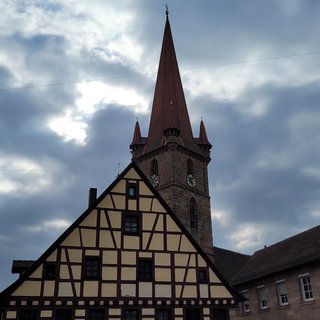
[(48, 226), (23, 175)]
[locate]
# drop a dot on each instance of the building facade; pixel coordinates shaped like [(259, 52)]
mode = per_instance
[(279, 282)]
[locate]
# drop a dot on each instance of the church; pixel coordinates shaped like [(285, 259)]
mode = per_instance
[(143, 248)]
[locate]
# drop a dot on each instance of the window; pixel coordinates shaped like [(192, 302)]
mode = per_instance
[(154, 167), (245, 304), (131, 223), (132, 191), (193, 314), (202, 275), (193, 214), (131, 314), (306, 288), (262, 292), (49, 270), (145, 269), (164, 314), (92, 268), (63, 314), (97, 314), (28, 315), (282, 293), (189, 167)]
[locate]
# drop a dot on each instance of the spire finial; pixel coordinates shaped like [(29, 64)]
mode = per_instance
[(167, 10)]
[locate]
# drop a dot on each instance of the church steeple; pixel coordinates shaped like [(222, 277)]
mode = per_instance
[(174, 160), (169, 109)]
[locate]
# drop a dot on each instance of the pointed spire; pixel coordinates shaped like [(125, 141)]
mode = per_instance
[(169, 110), (203, 138), (136, 134)]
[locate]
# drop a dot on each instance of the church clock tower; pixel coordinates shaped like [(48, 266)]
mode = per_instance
[(173, 159)]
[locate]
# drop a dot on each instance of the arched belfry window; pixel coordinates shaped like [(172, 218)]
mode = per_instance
[(154, 167), (189, 167), (193, 213)]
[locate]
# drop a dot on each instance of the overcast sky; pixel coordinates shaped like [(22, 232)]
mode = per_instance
[(75, 75)]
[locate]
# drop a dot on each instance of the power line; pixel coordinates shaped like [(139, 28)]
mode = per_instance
[(152, 73)]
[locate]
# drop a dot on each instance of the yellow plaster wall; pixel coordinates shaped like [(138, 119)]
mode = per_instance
[(145, 204), (120, 187), (65, 289), (76, 272), (75, 255), (145, 289), (119, 201), (132, 205), (28, 288), (213, 277), (11, 314), (132, 174), (128, 289), (115, 218), (144, 190), (131, 242), (186, 245), (46, 314), (189, 291), (128, 257), (37, 274), (109, 290), (171, 225), (106, 202), (109, 273), (157, 242), (173, 242), (220, 292), (73, 239), (90, 220), (163, 291), (162, 274), (64, 272), (110, 257), (105, 239), (148, 220), (88, 237), (128, 273), (48, 288), (181, 259), (156, 206), (204, 291), (53, 256), (90, 288), (162, 259)]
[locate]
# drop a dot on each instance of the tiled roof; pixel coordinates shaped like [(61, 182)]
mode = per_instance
[(290, 253), (229, 262)]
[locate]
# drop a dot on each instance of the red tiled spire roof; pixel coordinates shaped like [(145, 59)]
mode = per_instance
[(203, 139), (169, 110), (136, 135)]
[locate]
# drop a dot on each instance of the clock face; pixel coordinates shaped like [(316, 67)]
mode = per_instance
[(191, 181), (154, 179)]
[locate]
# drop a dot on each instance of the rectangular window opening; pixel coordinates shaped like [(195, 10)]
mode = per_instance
[(306, 288), (92, 268), (145, 269), (96, 314), (282, 293), (164, 314), (262, 292), (131, 314), (28, 315), (63, 314), (131, 224)]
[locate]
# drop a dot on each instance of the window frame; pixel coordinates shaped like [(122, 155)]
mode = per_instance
[(128, 215), (46, 272), (199, 272), (87, 276), (132, 186), (154, 167), (70, 311), (282, 293), (190, 167), (245, 305), (124, 317), (34, 311), (263, 299), (304, 292), (193, 212), (169, 311), (89, 316), (142, 277)]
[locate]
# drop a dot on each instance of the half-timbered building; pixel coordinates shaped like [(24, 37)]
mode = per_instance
[(128, 257)]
